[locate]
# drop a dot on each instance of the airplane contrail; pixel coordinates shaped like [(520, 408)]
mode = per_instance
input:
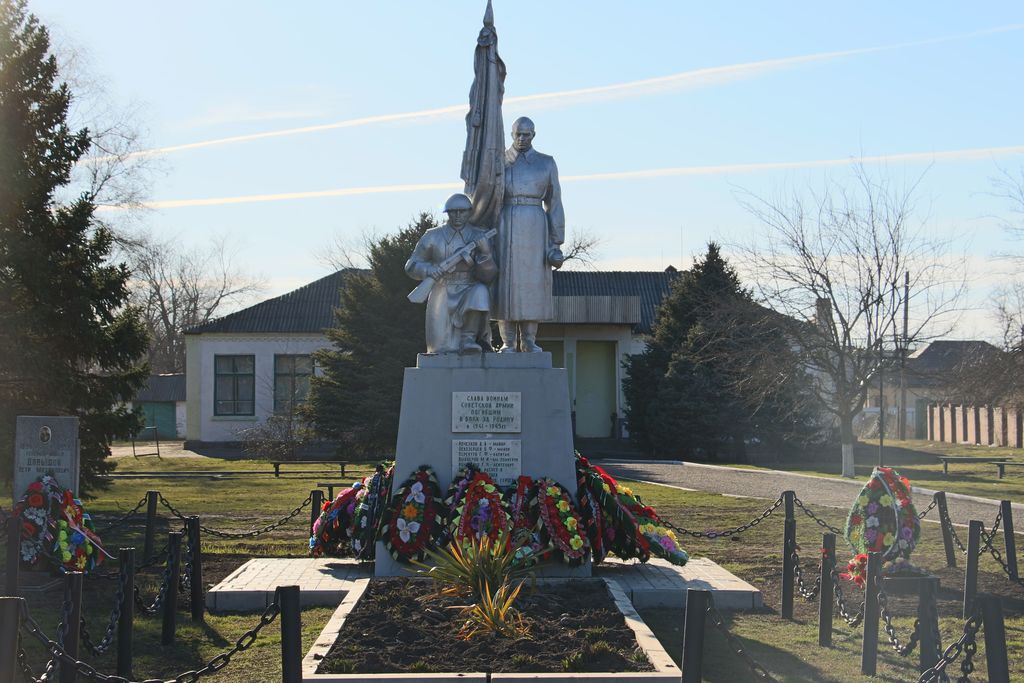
[(980, 153), (694, 78)]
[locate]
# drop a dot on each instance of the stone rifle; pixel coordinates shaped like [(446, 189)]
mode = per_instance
[(422, 291)]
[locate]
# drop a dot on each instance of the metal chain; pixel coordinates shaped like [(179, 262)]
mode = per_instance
[(998, 557), (820, 522), (987, 539), (62, 631), (165, 585), (730, 532), (719, 623), (931, 506), (123, 518), (883, 609), (185, 578), (851, 619), (808, 593), (244, 534), (115, 617), (966, 643), (244, 642)]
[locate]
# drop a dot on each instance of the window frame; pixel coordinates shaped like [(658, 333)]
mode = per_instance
[(235, 375), (283, 407)]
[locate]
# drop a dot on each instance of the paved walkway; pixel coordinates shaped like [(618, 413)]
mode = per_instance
[(768, 484), (656, 583)]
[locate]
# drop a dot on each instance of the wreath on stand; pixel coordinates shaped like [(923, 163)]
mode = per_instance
[(369, 511), (883, 519), (481, 512), (414, 521), (559, 522)]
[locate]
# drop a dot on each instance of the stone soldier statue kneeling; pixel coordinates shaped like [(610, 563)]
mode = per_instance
[(456, 266)]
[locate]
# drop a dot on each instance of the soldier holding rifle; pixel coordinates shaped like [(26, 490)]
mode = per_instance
[(454, 262)]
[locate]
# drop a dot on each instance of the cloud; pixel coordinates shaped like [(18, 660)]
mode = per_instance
[(977, 154), (235, 114), (694, 78)]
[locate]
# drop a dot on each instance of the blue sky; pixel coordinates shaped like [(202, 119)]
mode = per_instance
[(946, 79)]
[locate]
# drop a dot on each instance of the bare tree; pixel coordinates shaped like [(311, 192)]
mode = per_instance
[(834, 262), (582, 249), (177, 289)]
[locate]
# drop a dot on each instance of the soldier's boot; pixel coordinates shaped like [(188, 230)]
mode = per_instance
[(530, 338), (469, 345), (507, 329)]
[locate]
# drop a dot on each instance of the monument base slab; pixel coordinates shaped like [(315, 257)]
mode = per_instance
[(445, 388)]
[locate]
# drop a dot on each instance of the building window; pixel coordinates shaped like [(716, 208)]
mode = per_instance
[(291, 381), (234, 389)]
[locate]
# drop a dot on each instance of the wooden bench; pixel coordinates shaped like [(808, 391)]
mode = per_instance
[(1003, 464), (946, 459), (277, 465)]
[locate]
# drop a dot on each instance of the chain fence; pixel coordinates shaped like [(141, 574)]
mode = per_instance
[(808, 593), (83, 669), (817, 520), (931, 506), (273, 526), (899, 647), (966, 645), (150, 609), (115, 618), (123, 519), (852, 619), (756, 668), (728, 532)]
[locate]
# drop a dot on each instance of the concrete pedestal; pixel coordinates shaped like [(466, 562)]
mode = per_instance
[(425, 423)]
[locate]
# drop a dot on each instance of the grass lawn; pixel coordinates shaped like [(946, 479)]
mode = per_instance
[(788, 649), (918, 461)]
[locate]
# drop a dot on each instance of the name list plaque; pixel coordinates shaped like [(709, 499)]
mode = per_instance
[(500, 458), (487, 412)]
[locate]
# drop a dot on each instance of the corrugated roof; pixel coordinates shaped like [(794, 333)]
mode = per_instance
[(940, 361), (650, 286), (163, 388), (310, 309)]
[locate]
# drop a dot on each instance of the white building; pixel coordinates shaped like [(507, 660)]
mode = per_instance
[(244, 366)]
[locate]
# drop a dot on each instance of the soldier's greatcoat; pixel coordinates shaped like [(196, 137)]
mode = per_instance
[(457, 292), (531, 222)]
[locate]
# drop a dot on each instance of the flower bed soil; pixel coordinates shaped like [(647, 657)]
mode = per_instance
[(399, 626)]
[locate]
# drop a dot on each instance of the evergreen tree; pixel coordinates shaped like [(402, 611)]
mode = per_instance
[(688, 392), (69, 344), (357, 397)]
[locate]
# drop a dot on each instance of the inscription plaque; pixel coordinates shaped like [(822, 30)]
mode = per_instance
[(45, 445), (487, 411), (500, 458)]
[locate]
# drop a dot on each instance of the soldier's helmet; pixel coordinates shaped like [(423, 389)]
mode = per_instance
[(458, 201)]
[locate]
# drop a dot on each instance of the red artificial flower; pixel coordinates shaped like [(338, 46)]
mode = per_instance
[(35, 500), (856, 519), (35, 486)]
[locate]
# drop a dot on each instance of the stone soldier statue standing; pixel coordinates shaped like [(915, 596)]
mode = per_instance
[(457, 258), (530, 232)]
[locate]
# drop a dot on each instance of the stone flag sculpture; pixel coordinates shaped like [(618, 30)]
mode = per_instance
[(483, 162)]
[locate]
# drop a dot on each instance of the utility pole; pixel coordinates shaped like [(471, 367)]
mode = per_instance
[(903, 357)]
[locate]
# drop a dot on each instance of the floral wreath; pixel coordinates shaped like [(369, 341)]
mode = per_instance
[(524, 521), (52, 516), (560, 522), (369, 510), (413, 522), (332, 529), (882, 520), (618, 526), (481, 513), (660, 540)]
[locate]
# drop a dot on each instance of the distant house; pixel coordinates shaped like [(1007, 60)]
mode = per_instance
[(931, 376), (162, 401), (244, 366)]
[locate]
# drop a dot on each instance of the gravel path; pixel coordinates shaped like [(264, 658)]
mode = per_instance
[(768, 484)]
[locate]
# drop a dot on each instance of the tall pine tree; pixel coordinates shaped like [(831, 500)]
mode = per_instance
[(69, 343), (378, 332), (691, 392)]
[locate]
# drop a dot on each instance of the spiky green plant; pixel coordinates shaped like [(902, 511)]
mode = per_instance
[(495, 613), (468, 569)]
